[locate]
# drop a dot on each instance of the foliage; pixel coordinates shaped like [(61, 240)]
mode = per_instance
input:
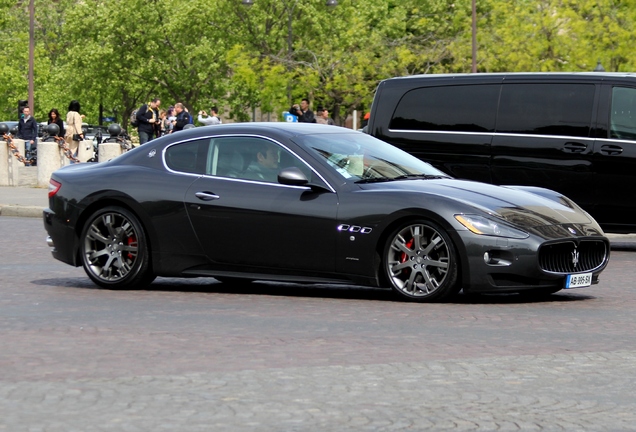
[(120, 53)]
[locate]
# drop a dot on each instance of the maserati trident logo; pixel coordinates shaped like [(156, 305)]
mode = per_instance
[(575, 257)]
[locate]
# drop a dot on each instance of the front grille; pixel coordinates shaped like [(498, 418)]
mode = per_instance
[(570, 257)]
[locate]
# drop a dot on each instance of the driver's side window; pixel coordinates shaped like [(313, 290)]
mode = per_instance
[(250, 158)]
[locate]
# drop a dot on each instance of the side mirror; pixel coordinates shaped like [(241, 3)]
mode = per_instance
[(293, 176)]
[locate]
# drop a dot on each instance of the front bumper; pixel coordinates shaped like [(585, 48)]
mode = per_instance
[(494, 264)]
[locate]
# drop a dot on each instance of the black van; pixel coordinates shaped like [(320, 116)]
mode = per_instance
[(571, 132)]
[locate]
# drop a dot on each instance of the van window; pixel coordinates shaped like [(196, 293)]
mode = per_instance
[(623, 114), (469, 108), (546, 109)]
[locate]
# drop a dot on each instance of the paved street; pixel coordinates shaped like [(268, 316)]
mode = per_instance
[(197, 355)]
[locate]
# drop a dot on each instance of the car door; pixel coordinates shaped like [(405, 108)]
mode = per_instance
[(615, 158), (254, 223), (543, 138)]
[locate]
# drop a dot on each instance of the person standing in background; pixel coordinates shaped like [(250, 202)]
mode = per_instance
[(28, 129), (171, 117), (324, 118), (54, 117), (163, 119), (302, 111), (148, 119), (74, 133), (182, 117), (209, 120)]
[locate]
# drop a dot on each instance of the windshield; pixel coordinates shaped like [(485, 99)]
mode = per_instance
[(361, 158)]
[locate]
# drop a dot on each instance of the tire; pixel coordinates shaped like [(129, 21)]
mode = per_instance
[(420, 262), (114, 250)]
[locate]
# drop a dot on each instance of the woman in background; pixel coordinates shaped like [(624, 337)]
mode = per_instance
[(163, 117), (73, 127), (54, 117)]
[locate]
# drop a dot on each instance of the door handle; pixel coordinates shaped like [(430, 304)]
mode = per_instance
[(206, 196), (574, 147), (611, 149)]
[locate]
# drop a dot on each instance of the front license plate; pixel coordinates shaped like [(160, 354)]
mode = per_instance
[(578, 280)]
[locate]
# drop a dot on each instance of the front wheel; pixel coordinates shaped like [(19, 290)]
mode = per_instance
[(115, 251), (421, 263)]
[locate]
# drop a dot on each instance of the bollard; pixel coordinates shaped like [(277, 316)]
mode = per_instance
[(85, 150), (50, 158), (5, 154), (108, 151), (9, 164)]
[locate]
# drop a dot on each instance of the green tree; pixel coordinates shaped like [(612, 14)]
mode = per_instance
[(119, 53), (132, 50), (14, 38), (607, 30)]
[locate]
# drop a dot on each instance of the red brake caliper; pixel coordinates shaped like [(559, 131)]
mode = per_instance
[(404, 257), (130, 241)]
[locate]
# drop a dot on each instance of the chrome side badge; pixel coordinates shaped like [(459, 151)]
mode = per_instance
[(354, 229), (152, 153)]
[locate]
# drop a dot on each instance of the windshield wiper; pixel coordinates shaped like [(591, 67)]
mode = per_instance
[(403, 177), (375, 180), (420, 176)]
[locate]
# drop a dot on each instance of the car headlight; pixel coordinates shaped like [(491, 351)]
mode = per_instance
[(491, 227)]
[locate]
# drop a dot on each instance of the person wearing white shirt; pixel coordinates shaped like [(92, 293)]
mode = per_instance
[(209, 120)]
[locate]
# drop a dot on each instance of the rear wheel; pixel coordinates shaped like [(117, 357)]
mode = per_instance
[(421, 263), (114, 250)]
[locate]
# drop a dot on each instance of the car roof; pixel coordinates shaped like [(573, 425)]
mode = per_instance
[(283, 128)]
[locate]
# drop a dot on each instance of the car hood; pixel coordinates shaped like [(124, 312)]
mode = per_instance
[(519, 207)]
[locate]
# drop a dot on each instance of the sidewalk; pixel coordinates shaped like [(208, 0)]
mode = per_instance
[(25, 200)]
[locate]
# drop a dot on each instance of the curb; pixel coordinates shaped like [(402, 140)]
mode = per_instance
[(21, 211)]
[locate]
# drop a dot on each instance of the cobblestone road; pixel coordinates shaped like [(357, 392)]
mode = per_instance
[(196, 356)]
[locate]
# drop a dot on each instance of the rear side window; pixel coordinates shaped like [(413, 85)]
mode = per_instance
[(188, 157), (462, 108), (623, 114), (546, 109)]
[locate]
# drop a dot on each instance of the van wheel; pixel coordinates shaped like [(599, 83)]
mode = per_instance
[(421, 263)]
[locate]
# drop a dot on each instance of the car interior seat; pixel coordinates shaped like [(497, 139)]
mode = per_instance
[(231, 164)]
